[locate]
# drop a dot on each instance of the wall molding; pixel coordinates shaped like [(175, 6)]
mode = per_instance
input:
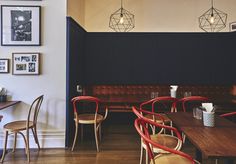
[(47, 139)]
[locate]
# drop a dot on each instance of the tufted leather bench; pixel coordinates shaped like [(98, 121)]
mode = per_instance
[(120, 98)]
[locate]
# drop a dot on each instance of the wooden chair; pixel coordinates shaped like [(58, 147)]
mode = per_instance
[(16, 127), (88, 118), (167, 140), (192, 99), (174, 156)]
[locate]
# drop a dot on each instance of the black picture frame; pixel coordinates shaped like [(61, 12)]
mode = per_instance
[(4, 65), (20, 25), (26, 63)]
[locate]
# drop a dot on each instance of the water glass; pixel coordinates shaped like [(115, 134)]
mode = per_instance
[(198, 113), (152, 95), (194, 112), (187, 94)]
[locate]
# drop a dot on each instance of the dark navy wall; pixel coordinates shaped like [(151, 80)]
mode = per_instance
[(160, 58), (145, 58), (74, 70)]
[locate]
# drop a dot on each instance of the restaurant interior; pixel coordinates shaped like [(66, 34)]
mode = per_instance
[(123, 81)]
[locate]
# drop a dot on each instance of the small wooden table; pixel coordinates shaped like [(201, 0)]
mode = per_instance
[(211, 142), (8, 104), (4, 105)]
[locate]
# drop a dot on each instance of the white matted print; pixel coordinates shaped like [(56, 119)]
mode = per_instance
[(20, 25), (4, 65), (25, 63)]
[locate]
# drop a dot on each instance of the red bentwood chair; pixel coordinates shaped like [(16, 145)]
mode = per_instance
[(228, 114), (88, 118), (174, 156), (166, 102), (167, 140), (192, 99)]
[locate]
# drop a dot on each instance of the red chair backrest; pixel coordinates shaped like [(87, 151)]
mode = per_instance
[(228, 114), (162, 100), (139, 113), (141, 127), (184, 100), (85, 99)]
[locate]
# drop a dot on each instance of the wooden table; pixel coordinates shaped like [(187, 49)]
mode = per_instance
[(4, 105), (211, 142), (8, 104)]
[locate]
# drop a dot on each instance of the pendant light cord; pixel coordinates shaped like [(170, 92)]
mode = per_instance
[(212, 8)]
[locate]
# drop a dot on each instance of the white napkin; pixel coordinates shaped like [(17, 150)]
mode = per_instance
[(174, 87), (208, 106)]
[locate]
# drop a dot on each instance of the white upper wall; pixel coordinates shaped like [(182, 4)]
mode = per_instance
[(155, 15), (51, 82)]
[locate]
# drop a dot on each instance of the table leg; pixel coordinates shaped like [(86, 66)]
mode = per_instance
[(198, 155)]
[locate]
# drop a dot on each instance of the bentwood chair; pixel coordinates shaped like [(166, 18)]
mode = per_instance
[(157, 105), (174, 156), (88, 118), (193, 101), (16, 127), (167, 140), (228, 114)]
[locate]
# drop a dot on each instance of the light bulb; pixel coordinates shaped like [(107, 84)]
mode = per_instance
[(121, 19), (212, 19)]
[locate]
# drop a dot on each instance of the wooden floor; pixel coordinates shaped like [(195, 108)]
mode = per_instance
[(120, 145)]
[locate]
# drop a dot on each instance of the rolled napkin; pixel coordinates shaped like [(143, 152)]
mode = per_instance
[(174, 87), (208, 106)]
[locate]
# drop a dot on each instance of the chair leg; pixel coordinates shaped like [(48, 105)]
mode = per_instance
[(146, 153), (27, 145), (96, 136), (100, 132), (5, 147), (82, 132), (24, 141), (34, 131), (141, 154), (75, 137), (14, 145)]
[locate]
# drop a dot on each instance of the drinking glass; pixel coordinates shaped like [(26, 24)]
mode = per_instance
[(187, 94), (152, 95), (198, 113), (195, 112)]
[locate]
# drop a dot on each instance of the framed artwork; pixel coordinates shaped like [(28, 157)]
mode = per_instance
[(232, 26), (20, 25), (4, 65), (25, 63)]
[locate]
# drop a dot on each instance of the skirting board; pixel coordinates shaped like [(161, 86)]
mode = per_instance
[(47, 139)]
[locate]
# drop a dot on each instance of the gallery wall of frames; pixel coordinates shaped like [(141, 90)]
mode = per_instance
[(23, 29)]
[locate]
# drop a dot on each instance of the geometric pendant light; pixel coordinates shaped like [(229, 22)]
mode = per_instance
[(213, 20), (121, 20)]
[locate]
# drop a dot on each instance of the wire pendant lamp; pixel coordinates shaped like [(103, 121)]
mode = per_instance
[(121, 20), (213, 20)]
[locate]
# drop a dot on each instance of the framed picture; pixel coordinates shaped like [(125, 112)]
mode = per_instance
[(25, 63), (4, 65), (232, 26), (20, 25)]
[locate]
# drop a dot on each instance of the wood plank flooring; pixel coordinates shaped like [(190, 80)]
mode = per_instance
[(120, 145)]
